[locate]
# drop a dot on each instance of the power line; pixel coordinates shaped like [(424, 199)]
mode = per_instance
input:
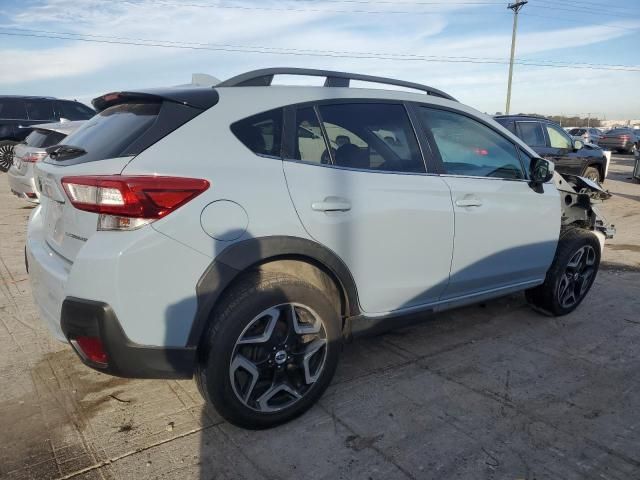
[(578, 10), (595, 5), (309, 53), (572, 21), (296, 9)]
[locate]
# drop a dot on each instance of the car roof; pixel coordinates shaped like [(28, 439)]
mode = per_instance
[(27, 97)]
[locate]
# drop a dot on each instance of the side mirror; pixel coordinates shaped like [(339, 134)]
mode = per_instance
[(578, 145), (541, 171)]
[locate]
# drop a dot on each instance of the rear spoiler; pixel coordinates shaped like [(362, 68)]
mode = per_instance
[(201, 98)]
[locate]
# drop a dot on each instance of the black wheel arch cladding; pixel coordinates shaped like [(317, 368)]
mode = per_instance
[(242, 256)]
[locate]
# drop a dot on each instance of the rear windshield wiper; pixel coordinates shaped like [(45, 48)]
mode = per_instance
[(64, 152)]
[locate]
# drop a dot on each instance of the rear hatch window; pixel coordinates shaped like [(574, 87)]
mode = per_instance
[(109, 133), (44, 138), (127, 124)]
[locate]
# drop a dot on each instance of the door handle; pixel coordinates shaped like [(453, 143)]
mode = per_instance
[(332, 204), (469, 202)]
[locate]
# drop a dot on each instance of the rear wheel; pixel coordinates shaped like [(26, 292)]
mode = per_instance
[(271, 352), (571, 275), (6, 154)]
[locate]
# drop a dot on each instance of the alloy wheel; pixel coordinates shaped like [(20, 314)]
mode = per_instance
[(6, 157), (577, 277), (278, 357)]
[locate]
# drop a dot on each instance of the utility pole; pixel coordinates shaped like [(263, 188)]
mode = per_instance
[(516, 7)]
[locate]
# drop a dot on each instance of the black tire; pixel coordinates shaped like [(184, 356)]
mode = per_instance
[(548, 297), (253, 295), (592, 173), (6, 154)]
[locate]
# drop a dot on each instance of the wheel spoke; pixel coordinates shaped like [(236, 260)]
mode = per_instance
[(263, 400), (565, 283), (274, 315), (310, 351), (304, 328), (585, 279), (574, 263), (242, 363)]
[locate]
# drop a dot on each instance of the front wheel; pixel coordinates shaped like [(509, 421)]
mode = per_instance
[(6, 155), (571, 275), (271, 351), (592, 174)]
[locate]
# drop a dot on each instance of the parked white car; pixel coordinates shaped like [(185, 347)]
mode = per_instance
[(32, 150), (198, 231)]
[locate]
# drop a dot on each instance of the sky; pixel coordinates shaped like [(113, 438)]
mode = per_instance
[(80, 49)]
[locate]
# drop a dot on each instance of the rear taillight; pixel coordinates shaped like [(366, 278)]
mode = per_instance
[(33, 157), (129, 202)]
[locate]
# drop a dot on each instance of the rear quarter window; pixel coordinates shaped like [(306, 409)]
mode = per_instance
[(262, 133)]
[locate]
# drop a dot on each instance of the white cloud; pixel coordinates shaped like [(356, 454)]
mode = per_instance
[(120, 66)]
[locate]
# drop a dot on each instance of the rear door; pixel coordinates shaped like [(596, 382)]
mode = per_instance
[(505, 232), (358, 182), (560, 151)]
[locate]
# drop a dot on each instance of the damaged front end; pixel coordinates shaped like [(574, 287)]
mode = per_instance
[(579, 197)]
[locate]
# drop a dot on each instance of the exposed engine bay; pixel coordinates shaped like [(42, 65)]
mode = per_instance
[(580, 197)]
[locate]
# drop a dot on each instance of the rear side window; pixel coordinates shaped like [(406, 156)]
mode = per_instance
[(577, 131), (262, 133), (468, 147), (75, 111), (108, 133), (44, 138), (40, 110), (372, 136), (310, 144), (531, 133), (12, 109)]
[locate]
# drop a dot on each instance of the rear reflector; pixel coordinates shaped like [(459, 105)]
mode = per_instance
[(128, 202), (91, 348)]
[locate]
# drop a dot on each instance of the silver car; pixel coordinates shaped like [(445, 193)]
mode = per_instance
[(32, 150), (588, 135)]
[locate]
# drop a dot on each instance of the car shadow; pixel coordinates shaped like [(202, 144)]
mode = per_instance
[(220, 441)]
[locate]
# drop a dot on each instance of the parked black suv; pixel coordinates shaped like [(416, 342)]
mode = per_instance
[(18, 113), (550, 141)]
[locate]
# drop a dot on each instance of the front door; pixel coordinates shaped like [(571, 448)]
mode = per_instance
[(359, 185), (505, 232)]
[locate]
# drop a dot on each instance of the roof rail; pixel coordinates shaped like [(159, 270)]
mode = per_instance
[(264, 77)]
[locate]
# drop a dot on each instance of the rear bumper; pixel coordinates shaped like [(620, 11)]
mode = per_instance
[(615, 144), (23, 186), (124, 358)]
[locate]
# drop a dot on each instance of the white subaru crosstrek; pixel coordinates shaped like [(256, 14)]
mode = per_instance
[(240, 233)]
